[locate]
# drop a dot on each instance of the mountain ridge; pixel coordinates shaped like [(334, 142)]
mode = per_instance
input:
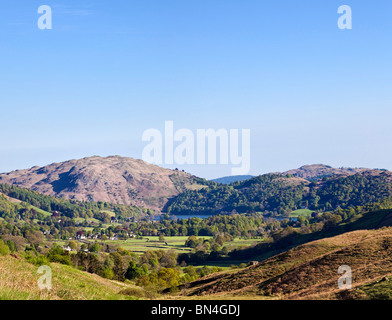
[(231, 179), (318, 171), (129, 181), (280, 194), (110, 179)]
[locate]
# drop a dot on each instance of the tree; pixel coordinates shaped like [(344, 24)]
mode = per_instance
[(135, 271), (73, 245), (4, 250), (220, 240), (11, 245), (95, 247), (168, 259), (35, 238), (57, 254), (169, 277), (107, 273), (192, 242), (191, 271), (224, 251), (118, 268)]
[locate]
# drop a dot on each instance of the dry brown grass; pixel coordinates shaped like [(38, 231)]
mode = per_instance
[(309, 271)]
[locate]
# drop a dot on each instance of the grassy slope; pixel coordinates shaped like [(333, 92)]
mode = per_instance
[(310, 271), (18, 281), (13, 200)]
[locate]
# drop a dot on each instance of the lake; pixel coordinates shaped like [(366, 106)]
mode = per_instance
[(205, 216), (185, 216), (281, 218)]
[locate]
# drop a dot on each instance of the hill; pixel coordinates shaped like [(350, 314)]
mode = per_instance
[(262, 193), (280, 194), (17, 202), (318, 171), (112, 179), (310, 271), (133, 182), (372, 216), (19, 282), (231, 179), (312, 172), (290, 265)]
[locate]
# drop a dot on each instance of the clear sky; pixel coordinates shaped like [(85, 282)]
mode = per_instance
[(108, 70)]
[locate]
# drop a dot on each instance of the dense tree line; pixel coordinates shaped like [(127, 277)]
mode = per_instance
[(266, 193), (155, 270), (318, 226), (72, 208), (278, 195), (59, 227), (236, 225)]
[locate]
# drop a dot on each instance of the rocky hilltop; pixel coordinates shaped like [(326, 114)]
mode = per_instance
[(317, 171), (111, 179)]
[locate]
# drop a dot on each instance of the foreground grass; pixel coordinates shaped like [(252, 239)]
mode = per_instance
[(381, 290), (309, 271), (18, 281)]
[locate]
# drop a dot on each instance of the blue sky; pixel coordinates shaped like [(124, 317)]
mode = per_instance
[(108, 70)]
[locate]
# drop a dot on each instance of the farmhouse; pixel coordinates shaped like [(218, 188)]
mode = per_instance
[(80, 235)]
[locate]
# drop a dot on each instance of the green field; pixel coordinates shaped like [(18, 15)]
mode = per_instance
[(19, 278), (139, 246), (176, 243), (89, 220), (301, 212), (110, 213), (45, 213), (243, 242), (224, 265)]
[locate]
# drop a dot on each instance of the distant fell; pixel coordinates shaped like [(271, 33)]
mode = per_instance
[(318, 171), (282, 193), (112, 179), (231, 179)]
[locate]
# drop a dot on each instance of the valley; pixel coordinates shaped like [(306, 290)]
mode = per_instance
[(274, 236)]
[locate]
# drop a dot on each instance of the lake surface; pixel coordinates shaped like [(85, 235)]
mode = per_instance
[(205, 216), (281, 218), (181, 217)]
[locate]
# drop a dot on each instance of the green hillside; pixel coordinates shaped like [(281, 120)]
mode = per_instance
[(19, 281), (282, 194)]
